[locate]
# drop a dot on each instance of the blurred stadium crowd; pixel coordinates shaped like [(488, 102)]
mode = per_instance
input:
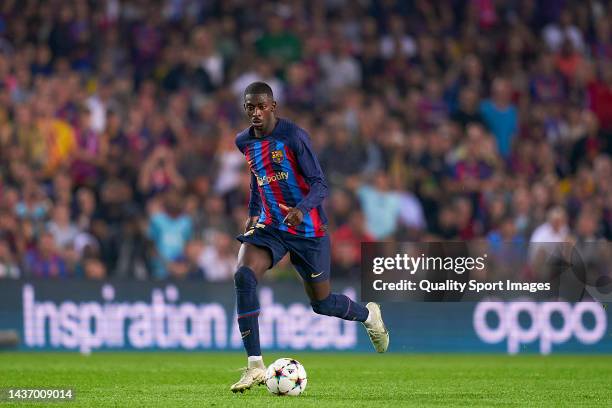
[(460, 120)]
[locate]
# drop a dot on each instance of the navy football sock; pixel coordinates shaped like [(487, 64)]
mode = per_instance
[(248, 309), (340, 306)]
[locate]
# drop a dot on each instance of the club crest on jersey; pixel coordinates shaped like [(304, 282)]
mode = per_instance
[(277, 156)]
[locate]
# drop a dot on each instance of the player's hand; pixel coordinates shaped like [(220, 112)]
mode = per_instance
[(294, 215), (250, 223)]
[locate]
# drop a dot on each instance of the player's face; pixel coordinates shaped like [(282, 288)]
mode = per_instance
[(260, 110)]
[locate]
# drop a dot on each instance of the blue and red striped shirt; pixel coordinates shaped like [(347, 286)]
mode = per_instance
[(284, 170)]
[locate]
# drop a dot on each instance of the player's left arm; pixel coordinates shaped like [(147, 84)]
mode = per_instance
[(309, 166)]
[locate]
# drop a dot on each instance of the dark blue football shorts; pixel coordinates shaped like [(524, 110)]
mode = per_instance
[(311, 257)]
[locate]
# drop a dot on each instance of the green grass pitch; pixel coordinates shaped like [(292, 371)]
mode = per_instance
[(334, 379)]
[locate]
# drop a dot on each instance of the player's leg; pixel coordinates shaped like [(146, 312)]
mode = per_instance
[(324, 302), (253, 262), (260, 250), (312, 259)]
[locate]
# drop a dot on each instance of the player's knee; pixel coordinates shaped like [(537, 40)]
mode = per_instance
[(256, 259), (323, 307), (244, 278)]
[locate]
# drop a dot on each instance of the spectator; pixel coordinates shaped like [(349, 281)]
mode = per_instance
[(468, 109), (546, 84), (506, 233), (474, 168), (159, 173), (277, 43), (58, 135), (218, 259), (263, 71), (34, 205), (208, 58), (557, 32), (104, 110), (431, 107), (339, 68), (501, 115), (90, 151), (99, 105), (555, 229), (341, 158), (62, 228), (45, 261), (568, 60), (411, 212), (397, 40), (94, 269), (586, 226), (346, 244), (300, 87), (170, 229), (136, 250), (446, 227), (600, 97), (85, 208), (8, 265), (231, 163), (381, 207)]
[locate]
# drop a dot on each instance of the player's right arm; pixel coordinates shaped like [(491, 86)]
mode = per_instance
[(254, 204), (254, 198)]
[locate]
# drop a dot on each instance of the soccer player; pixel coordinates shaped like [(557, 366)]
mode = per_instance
[(285, 215)]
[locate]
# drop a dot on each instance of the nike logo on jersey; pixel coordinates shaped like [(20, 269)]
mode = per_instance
[(314, 275)]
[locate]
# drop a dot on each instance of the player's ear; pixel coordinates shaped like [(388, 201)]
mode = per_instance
[(273, 106)]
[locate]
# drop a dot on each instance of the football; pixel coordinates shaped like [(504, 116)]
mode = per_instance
[(286, 376)]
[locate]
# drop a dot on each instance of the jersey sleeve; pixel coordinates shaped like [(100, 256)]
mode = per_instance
[(255, 198), (311, 170), (239, 144)]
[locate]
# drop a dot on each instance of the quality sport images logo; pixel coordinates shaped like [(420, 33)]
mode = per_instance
[(552, 323)]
